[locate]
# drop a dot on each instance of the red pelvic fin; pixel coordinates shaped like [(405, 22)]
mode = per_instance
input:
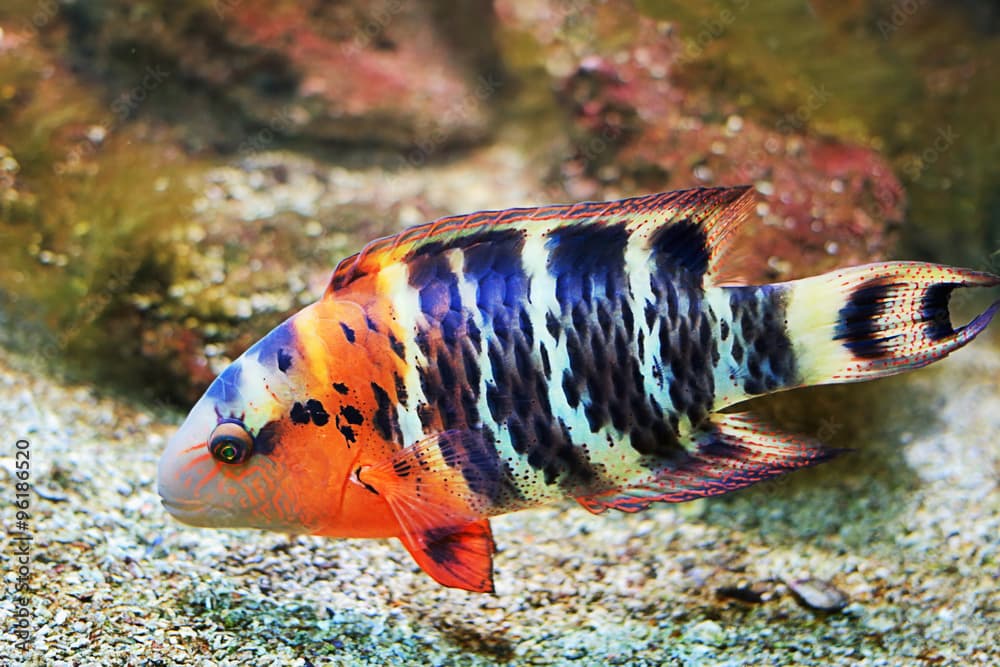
[(442, 520), (456, 557), (733, 452)]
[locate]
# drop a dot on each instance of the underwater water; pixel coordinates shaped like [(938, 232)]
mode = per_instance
[(178, 177)]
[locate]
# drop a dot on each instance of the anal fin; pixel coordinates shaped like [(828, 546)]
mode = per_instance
[(732, 452)]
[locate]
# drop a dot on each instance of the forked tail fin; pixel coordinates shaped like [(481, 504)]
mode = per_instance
[(880, 319)]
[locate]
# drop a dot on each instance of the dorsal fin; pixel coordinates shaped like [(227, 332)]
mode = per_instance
[(691, 228), (702, 230)]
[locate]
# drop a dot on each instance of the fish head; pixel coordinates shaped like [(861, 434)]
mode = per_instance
[(259, 449)]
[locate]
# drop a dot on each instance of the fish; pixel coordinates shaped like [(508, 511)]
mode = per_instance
[(504, 360)]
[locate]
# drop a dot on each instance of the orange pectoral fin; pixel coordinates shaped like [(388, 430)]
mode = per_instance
[(442, 520), (456, 557)]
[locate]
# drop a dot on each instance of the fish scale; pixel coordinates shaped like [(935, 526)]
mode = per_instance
[(606, 397), (487, 363)]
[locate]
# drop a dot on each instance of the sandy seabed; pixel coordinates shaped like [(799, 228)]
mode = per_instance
[(905, 528)]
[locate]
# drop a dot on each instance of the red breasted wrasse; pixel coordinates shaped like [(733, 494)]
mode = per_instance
[(503, 360)]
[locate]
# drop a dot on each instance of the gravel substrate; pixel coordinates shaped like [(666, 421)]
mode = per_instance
[(888, 556)]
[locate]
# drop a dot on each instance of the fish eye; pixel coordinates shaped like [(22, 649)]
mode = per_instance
[(230, 443)]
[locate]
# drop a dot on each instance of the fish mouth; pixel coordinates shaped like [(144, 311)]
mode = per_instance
[(183, 510), (183, 505)]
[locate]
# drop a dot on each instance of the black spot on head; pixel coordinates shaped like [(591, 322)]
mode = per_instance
[(397, 346), (352, 415), (299, 414), (383, 419), (266, 439), (319, 415), (401, 394), (348, 433), (340, 387), (284, 360), (348, 332)]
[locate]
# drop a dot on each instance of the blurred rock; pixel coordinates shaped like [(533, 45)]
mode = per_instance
[(391, 72), (642, 122)]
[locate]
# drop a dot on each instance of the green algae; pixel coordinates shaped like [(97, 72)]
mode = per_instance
[(82, 220)]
